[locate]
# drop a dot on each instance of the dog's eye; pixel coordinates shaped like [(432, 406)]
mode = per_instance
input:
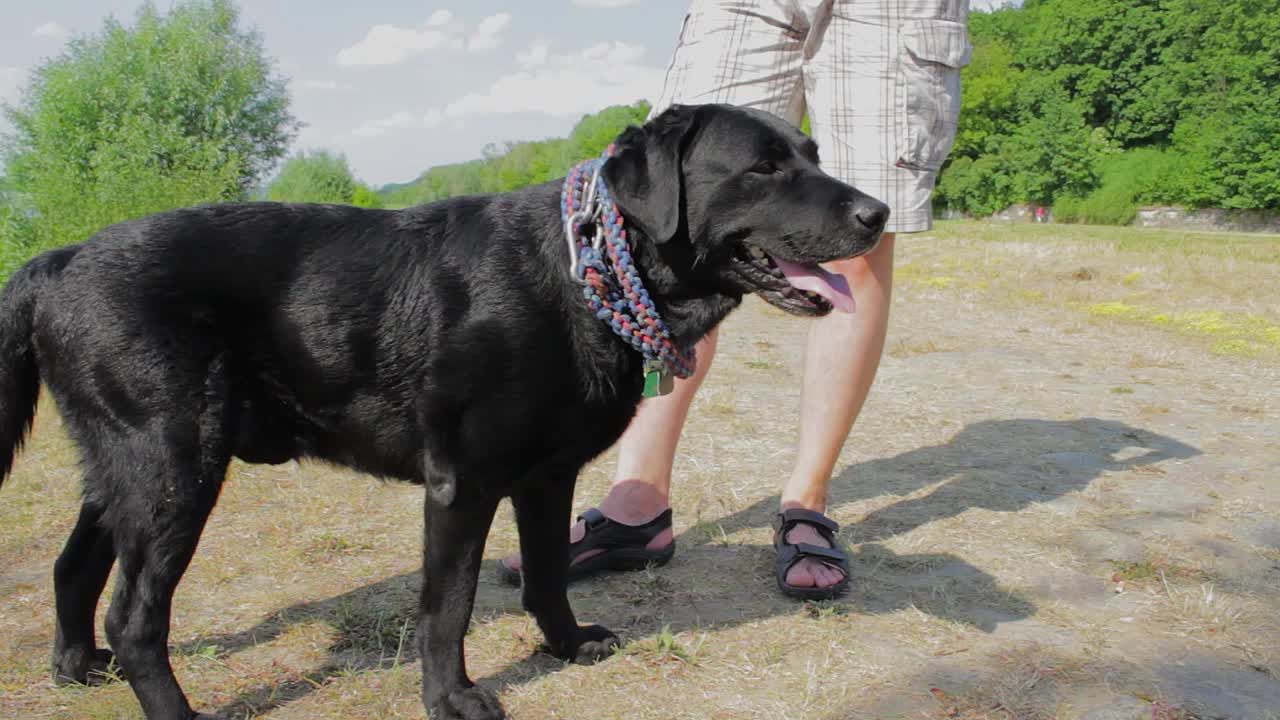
[(765, 167)]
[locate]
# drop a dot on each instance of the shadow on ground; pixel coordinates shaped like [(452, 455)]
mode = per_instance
[(1001, 465)]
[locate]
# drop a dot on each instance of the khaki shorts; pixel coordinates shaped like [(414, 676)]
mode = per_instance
[(880, 80)]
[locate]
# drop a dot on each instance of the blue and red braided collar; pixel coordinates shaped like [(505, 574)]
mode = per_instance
[(601, 260)]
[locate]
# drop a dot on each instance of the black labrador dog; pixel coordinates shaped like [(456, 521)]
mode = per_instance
[(446, 344)]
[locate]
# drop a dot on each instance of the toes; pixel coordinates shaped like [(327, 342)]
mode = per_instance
[(822, 577), (473, 703), (596, 644), (512, 562), (74, 668), (801, 574), (811, 573)]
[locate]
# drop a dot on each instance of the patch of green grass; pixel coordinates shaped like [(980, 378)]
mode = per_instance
[(1150, 569), (1121, 390), (327, 546), (1241, 334), (661, 648), (821, 610)]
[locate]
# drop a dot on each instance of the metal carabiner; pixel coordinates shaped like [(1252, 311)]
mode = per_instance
[(571, 224)]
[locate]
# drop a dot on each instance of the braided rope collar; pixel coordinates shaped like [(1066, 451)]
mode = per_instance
[(600, 260)]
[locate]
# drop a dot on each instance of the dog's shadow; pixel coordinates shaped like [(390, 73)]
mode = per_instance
[(1002, 465)]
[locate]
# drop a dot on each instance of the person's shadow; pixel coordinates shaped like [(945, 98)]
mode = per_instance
[(1001, 465)]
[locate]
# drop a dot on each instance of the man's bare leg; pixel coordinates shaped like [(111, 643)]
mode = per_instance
[(841, 359), (641, 488)]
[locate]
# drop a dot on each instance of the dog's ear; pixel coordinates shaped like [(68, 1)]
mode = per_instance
[(645, 173)]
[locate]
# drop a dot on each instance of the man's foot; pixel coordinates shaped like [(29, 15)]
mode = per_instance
[(810, 564), (629, 531), (811, 572)]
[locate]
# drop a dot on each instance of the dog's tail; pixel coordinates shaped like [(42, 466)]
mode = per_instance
[(19, 376)]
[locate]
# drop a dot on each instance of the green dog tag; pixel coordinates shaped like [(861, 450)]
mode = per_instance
[(657, 383)]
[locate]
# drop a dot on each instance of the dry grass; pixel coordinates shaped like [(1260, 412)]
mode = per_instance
[(1052, 512)]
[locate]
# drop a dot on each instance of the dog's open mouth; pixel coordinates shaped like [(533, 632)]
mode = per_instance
[(800, 289)]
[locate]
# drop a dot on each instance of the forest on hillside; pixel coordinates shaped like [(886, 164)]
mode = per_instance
[(1091, 106)]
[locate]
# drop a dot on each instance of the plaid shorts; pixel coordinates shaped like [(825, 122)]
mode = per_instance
[(879, 79)]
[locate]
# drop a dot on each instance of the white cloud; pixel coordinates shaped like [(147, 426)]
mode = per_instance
[(535, 56), (50, 29), (486, 35), (324, 85), (566, 84), (399, 121), (605, 3), (389, 45)]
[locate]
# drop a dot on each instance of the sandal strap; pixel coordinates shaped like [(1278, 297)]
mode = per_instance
[(593, 518), (791, 516), (603, 533), (789, 555), (818, 551)]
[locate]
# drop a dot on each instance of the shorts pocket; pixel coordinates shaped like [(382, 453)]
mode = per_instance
[(932, 53)]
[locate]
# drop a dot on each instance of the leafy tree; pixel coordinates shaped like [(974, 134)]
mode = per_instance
[(316, 176), (1062, 94), (365, 197), (178, 109)]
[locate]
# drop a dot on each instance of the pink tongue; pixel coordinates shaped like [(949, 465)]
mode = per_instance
[(833, 287)]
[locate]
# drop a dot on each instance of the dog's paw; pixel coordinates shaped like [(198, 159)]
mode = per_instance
[(595, 643), (473, 703), (75, 668)]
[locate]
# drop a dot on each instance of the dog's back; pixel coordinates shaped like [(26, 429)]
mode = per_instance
[(326, 326)]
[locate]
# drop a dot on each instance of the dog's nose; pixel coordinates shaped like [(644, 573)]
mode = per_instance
[(872, 214)]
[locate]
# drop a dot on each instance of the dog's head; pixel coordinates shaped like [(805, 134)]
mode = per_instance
[(735, 202)]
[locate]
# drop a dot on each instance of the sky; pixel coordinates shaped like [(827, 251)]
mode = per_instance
[(398, 86)]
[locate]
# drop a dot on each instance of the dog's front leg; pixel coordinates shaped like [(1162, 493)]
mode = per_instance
[(542, 517), (455, 536)]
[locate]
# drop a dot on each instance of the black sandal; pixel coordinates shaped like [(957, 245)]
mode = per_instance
[(791, 553), (624, 546)]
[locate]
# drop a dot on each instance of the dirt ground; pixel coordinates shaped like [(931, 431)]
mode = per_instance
[(1061, 501)]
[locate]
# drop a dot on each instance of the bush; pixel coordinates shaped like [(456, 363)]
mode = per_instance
[(17, 236), (179, 109), (316, 176), (1143, 176)]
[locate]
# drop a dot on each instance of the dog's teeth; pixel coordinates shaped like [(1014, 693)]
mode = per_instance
[(757, 253)]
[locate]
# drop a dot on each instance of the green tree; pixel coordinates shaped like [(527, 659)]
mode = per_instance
[(176, 110), (1052, 150), (593, 133), (316, 176), (1102, 105), (365, 197)]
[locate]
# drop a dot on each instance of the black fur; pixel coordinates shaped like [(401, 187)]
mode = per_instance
[(443, 344)]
